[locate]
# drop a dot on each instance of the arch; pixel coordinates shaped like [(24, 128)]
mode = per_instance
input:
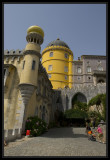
[(78, 97), (101, 81)]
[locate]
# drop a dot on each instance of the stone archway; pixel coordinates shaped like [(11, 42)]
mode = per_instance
[(78, 97), (101, 81)]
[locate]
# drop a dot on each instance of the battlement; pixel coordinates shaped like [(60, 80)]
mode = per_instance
[(14, 52)]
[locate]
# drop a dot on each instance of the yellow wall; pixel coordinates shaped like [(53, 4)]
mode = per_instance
[(12, 98), (27, 73), (58, 62)]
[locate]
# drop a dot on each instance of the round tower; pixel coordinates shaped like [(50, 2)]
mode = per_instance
[(57, 59), (29, 74)]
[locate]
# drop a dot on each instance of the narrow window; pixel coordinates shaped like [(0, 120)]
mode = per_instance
[(49, 67), (34, 40), (66, 77), (38, 41), (51, 54), (23, 64), (33, 65)]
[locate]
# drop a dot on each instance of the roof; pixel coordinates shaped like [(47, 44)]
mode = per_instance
[(57, 42)]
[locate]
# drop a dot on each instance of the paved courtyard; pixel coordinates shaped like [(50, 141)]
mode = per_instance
[(66, 141)]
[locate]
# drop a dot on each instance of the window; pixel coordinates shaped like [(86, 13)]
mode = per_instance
[(33, 65), (66, 69), (66, 55), (88, 69), (49, 75), (49, 67), (23, 64), (51, 54), (79, 70), (66, 77), (100, 68)]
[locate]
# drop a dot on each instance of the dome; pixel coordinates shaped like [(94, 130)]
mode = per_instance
[(36, 29), (57, 42)]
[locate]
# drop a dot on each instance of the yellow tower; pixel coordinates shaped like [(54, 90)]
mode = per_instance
[(57, 59), (29, 74)]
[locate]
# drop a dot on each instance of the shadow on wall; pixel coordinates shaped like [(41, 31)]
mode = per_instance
[(67, 132)]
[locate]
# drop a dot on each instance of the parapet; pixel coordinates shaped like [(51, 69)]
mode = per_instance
[(13, 52)]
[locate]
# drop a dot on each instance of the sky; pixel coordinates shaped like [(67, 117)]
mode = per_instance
[(81, 26)]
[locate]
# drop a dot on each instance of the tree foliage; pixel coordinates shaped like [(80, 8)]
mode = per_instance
[(98, 100)]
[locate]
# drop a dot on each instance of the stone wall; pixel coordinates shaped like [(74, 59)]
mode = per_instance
[(89, 91)]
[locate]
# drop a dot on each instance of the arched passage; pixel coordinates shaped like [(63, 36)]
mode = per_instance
[(101, 81), (79, 97)]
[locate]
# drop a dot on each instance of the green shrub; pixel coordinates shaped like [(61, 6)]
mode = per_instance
[(36, 126), (75, 113), (81, 105)]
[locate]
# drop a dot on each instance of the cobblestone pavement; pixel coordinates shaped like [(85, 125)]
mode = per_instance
[(66, 141)]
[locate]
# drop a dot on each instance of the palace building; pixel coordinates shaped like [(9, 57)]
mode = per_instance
[(38, 87)]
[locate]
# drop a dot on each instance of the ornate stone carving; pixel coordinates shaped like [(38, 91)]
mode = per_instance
[(26, 92)]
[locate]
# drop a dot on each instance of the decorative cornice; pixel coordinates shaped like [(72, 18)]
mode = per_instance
[(32, 52), (96, 72), (78, 61), (93, 56), (57, 48)]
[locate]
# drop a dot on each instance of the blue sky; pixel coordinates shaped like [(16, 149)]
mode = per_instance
[(81, 26)]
